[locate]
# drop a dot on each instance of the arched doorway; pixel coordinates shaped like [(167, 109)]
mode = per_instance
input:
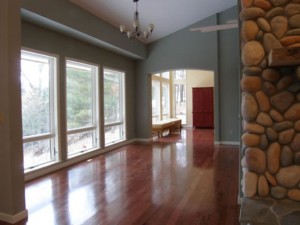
[(172, 93)]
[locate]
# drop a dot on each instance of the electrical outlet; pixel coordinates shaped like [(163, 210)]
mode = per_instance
[(1, 118)]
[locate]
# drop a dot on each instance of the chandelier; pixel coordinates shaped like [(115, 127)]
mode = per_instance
[(136, 32)]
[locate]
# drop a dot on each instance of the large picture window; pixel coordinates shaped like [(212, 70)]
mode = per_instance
[(38, 77), (114, 106), (44, 134), (82, 107), (161, 98)]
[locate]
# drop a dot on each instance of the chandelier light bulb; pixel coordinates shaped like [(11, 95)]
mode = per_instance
[(122, 28), (129, 34), (146, 34), (151, 27)]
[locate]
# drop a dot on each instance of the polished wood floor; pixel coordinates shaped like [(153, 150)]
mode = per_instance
[(179, 179)]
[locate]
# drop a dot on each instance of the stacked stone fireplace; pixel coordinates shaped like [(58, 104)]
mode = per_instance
[(271, 98)]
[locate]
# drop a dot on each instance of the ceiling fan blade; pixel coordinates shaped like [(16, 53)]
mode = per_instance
[(216, 27)]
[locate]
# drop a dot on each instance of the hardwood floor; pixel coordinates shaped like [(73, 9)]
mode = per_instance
[(179, 179)]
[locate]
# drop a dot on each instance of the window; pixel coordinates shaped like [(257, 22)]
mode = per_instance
[(179, 77), (82, 107), (165, 100), (166, 75), (42, 136), (161, 107), (114, 106), (155, 100), (180, 102), (38, 78)]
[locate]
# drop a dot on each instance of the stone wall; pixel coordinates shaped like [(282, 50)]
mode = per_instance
[(270, 100)]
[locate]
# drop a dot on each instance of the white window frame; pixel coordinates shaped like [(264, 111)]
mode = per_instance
[(122, 121), (95, 127), (53, 134), (162, 80)]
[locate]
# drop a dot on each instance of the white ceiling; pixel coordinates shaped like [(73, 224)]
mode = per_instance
[(168, 16)]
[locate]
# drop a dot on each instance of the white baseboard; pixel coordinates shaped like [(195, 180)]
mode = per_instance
[(187, 126), (227, 143), (12, 219), (144, 140)]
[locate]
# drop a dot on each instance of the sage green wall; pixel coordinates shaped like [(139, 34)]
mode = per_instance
[(12, 194), (216, 51), (229, 80), (38, 38)]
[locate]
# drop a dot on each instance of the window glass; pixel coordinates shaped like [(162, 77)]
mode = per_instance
[(180, 75), (165, 100), (180, 102), (166, 75), (112, 96), (113, 133), (35, 78), (79, 96), (155, 100)]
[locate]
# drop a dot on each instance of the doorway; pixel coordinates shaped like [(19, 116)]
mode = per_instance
[(172, 93)]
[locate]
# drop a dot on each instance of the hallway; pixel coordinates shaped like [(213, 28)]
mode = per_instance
[(179, 179)]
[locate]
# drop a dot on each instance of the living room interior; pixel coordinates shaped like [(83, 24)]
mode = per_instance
[(46, 28)]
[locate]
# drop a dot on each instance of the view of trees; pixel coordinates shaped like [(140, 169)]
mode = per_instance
[(35, 97), (112, 97), (79, 101), (36, 109), (38, 88)]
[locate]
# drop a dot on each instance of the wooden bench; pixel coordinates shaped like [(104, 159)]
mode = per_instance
[(170, 125)]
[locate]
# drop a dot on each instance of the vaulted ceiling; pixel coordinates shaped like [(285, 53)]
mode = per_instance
[(168, 16)]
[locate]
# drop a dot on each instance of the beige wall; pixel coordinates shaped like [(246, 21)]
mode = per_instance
[(196, 78)]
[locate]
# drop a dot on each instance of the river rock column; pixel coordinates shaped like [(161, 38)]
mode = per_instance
[(270, 105)]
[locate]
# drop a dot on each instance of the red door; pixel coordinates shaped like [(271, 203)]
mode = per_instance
[(203, 107)]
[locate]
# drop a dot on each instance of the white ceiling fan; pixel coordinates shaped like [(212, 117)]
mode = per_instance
[(230, 24)]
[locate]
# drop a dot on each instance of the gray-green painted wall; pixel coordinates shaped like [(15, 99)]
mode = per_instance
[(12, 194), (229, 80), (216, 51)]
